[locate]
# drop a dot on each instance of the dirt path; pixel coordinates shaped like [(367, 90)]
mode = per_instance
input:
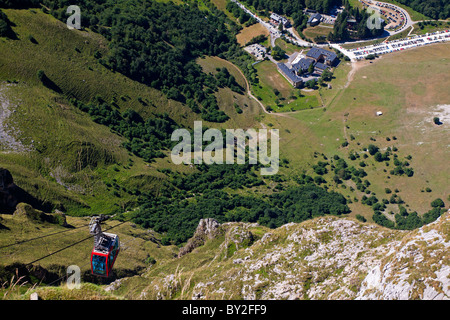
[(355, 67), (248, 89)]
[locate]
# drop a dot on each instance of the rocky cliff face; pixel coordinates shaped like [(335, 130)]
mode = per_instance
[(418, 267), (206, 229), (325, 258)]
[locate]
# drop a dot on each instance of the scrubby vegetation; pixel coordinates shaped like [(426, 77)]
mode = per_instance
[(146, 138), (157, 44), (177, 212)]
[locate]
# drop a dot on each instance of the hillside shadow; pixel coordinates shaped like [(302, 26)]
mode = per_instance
[(16, 195), (10, 34), (2, 227), (47, 82)]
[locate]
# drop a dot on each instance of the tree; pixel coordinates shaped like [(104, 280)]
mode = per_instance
[(4, 28), (311, 84), (327, 75), (361, 218), (330, 37), (320, 82), (436, 120), (372, 149), (378, 156), (438, 203), (278, 53), (41, 76), (311, 68)]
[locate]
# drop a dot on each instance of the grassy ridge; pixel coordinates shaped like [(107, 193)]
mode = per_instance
[(394, 85), (78, 163)]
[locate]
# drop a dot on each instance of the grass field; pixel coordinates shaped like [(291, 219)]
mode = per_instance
[(248, 33), (289, 48), (435, 26), (227, 98), (395, 86), (289, 98), (103, 179), (312, 32)]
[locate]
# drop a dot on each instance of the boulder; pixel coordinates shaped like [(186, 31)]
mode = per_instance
[(26, 210)]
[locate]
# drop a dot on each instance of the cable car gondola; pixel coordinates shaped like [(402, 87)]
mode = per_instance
[(106, 248)]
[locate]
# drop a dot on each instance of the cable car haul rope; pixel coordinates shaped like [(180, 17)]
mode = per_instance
[(104, 253)]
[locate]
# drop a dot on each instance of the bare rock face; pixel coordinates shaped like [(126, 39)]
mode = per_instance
[(416, 268), (207, 229), (330, 258), (324, 258)]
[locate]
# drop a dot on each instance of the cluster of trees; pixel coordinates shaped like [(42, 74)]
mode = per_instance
[(177, 215), (145, 138), (225, 79), (157, 44), (278, 53), (217, 177), (401, 167), (436, 9), (292, 7), (405, 220), (344, 31), (342, 171), (243, 17)]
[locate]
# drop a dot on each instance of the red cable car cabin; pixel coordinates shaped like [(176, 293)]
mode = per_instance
[(104, 254)]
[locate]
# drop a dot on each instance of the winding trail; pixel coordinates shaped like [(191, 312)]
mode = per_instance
[(248, 88)]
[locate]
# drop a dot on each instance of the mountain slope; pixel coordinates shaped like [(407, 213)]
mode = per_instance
[(325, 258), (54, 150)]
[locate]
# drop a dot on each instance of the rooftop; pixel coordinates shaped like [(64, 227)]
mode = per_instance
[(303, 64), (289, 72), (321, 66), (316, 52), (317, 16), (278, 18)]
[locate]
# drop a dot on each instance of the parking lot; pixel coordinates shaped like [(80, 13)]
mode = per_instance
[(397, 18), (256, 50), (401, 44)]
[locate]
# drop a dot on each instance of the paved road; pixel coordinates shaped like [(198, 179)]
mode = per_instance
[(379, 5), (273, 31), (359, 53), (394, 45)]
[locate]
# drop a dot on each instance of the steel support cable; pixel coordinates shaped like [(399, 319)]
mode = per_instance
[(41, 237), (73, 244)]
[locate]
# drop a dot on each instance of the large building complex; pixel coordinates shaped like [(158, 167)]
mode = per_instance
[(319, 58), (277, 19)]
